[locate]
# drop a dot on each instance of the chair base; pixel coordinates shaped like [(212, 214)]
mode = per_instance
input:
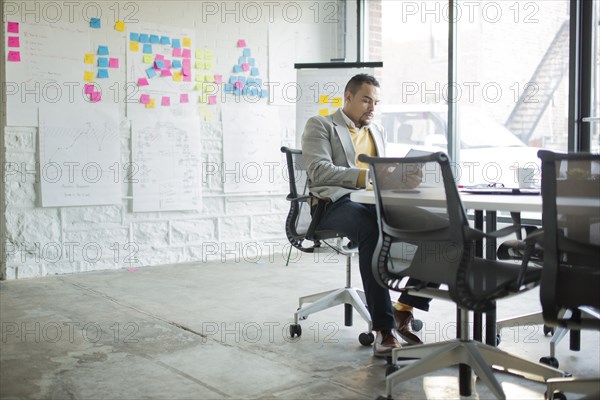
[(586, 386), (480, 357), (331, 298)]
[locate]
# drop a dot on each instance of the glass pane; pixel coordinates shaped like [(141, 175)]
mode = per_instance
[(595, 140)]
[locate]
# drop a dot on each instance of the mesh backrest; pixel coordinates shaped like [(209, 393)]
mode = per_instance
[(299, 217), (571, 222)]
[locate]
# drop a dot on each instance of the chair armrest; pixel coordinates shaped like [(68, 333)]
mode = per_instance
[(299, 198)]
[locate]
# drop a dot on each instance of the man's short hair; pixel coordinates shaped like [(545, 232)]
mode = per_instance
[(356, 82)]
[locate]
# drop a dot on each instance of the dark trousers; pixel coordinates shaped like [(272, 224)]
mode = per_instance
[(358, 222)]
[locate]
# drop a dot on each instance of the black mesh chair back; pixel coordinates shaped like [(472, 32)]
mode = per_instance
[(429, 238), (571, 224)]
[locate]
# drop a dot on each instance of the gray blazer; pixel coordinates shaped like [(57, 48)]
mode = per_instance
[(329, 155)]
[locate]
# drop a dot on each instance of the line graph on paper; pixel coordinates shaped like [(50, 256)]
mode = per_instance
[(79, 154)]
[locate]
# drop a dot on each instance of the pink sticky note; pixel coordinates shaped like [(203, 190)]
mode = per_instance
[(238, 85), (245, 67), (212, 99), (166, 101), (187, 78), (183, 98), (145, 99), (88, 88), (13, 41), (166, 72), (142, 82), (241, 43), (113, 62), (187, 53), (167, 64), (177, 52), (159, 57), (12, 27), (14, 56), (186, 64), (95, 97), (186, 71), (218, 78)]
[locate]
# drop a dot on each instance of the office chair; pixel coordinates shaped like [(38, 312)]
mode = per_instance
[(571, 240), (425, 234), (300, 228)]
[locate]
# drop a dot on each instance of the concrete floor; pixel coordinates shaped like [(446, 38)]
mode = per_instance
[(220, 331)]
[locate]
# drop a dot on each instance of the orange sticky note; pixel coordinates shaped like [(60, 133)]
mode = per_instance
[(88, 59), (120, 26), (88, 76), (134, 46)]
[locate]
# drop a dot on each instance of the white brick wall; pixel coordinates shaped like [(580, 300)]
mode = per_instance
[(42, 241)]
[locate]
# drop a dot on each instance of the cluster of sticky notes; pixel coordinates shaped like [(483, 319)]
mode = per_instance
[(12, 28), (90, 90), (245, 80), (103, 63), (326, 100)]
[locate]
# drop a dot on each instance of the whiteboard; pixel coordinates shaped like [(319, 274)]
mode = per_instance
[(321, 91), (51, 69), (79, 154), (166, 162), (251, 147)]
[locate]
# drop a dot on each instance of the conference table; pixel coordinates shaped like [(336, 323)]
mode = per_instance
[(485, 208)]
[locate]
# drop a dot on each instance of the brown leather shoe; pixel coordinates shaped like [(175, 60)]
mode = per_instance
[(385, 342), (404, 327)]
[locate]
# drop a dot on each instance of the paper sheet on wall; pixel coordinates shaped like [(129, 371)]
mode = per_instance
[(322, 92), (166, 154), (79, 154), (251, 147), (50, 70)]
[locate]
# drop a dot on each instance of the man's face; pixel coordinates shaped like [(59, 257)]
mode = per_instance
[(360, 107)]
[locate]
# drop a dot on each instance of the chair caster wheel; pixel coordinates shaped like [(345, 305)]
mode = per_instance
[(301, 318), (366, 338), (551, 361), (548, 330), (417, 325), (295, 330), (390, 369)]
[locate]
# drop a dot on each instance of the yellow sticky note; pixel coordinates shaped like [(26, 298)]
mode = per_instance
[(199, 77), (208, 116), (177, 76), (208, 65), (208, 54), (148, 59), (88, 76), (199, 54), (198, 86), (209, 78), (120, 26), (151, 104), (88, 59), (134, 46), (203, 98), (199, 64), (187, 42), (324, 112), (323, 99), (336, 102)]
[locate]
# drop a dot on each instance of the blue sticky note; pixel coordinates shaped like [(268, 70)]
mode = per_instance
[(144, 38), (151, 72), (102, 73), (264, 93), (176, 43), (250, 81), (228, 88), (241, 79), (252, 62), (241, 60), (232, 79), (134, 37), (253, 91), (95, 23), (103, 62), (102, 50), (160, 64), (236, 91), (147, 48), (246, 52), (245, 91), (254, 71), (258, 81), (165, 40), (154, 39), (237, 68), (176, 64)]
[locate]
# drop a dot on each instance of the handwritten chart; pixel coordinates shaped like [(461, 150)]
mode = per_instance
[(166, 156), (79, 154)]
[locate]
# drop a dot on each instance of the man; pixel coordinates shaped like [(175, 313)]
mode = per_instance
[(330, 147)]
